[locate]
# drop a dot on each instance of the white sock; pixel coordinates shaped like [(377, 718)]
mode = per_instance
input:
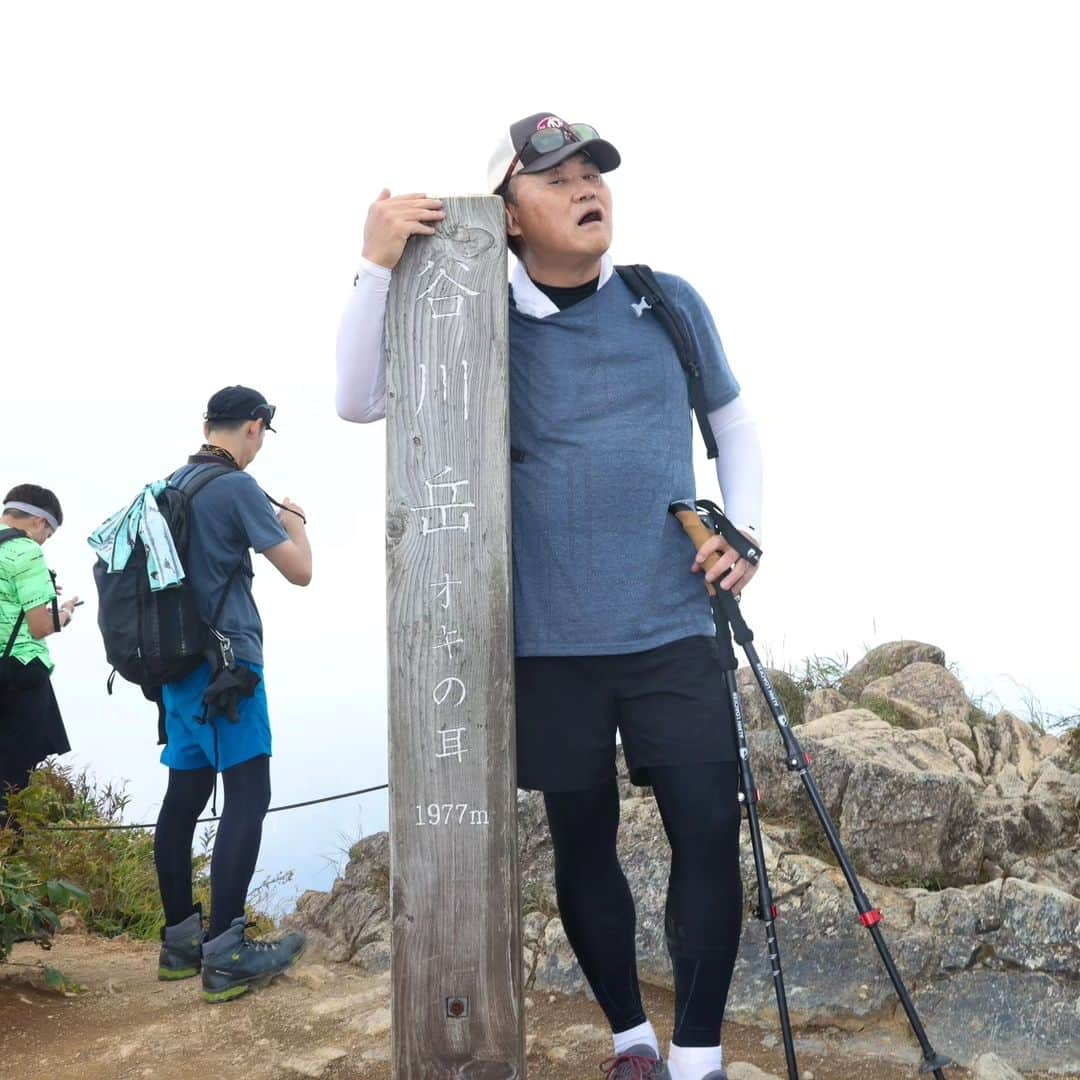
[(694, 1062), (642, 1035)]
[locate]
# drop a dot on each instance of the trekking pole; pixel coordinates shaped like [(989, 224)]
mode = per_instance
[(690, 517), (766, 910)]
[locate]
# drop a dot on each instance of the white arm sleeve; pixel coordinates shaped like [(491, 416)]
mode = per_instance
[(361, 352), (738, 466)]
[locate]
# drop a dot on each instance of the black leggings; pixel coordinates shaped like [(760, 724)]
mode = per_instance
[(236, 846), (701, 814)]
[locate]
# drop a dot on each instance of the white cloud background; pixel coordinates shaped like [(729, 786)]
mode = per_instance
[(878, 201)]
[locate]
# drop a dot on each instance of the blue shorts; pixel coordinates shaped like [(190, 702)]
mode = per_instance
[(217, 743)]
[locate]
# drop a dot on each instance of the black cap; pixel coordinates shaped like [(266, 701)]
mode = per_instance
[(239, 403), (513, 142)]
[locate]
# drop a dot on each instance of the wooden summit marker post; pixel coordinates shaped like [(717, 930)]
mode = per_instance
[(456, 940)]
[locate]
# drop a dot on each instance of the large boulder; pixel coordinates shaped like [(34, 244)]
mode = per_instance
[(921, 695), (902, 824), (904, 804), (888, 659)]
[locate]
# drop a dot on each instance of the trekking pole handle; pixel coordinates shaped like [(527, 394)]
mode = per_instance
[(698, 532)]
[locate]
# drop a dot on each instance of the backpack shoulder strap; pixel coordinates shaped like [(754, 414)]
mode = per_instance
[(642, 281), (201, 479), (5, 536), (14, 634)]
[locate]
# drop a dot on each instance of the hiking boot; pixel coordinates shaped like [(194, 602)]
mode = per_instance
[(720, 1074), (181, 948), (637, 1063), (234, 963)]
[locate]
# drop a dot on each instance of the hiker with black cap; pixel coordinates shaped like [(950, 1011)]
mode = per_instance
[(31, 728), (216, 719), (607, 639)]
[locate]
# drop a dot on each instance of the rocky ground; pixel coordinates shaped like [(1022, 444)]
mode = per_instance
[(332, 1021), (965, 830), (963, 826)]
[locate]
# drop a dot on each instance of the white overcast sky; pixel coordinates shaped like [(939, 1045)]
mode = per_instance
[(878, 201)]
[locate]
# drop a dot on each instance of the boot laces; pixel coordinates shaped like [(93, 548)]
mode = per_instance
[(641, 1068), (257, 943)]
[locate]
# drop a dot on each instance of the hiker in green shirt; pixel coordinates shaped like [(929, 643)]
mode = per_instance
[(31, 727)]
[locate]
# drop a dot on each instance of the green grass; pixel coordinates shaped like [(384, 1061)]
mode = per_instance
[(889, 713), (820, 673), (115, 868)]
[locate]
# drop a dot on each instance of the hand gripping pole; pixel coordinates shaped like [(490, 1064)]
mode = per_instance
[(701, 520)]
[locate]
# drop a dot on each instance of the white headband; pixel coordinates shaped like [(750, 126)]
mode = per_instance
[(33, 511)]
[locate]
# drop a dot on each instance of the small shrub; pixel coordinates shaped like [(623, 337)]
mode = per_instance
[(113, 868), (29, 906), (821, 673)]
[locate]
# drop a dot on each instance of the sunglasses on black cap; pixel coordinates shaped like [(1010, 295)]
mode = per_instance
[(263, 411), (545, 141)]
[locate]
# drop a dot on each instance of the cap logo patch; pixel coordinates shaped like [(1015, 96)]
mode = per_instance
[(549, 122)]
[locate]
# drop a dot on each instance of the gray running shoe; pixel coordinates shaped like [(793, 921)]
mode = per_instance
[(234, 963), (637, 1063), (181, 948)]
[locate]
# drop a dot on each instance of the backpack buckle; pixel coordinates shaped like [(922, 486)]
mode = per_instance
[(228, 660)]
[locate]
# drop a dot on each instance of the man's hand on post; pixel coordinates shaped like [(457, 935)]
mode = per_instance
[(392, 220), (727, 558)]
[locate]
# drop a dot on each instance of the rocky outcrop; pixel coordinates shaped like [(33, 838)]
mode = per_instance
[(885, 660), (351, 923), (922, 695), (963, 828)]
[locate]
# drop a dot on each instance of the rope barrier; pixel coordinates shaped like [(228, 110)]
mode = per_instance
[(202, 821)]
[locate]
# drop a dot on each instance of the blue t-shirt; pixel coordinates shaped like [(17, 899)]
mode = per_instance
[(602, 443), (229, 516)]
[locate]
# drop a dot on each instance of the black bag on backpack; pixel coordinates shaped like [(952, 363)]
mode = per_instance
[(152, 638)]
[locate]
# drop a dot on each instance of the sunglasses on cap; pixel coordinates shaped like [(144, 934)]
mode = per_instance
[(545, 141), (264, 412)]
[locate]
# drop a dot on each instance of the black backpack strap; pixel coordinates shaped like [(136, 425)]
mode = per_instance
[(225, 594), (201, 479), (642, 282), (5, 536), (14, 634)]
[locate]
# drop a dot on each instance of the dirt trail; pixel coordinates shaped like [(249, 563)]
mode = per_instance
[(319, 1021)]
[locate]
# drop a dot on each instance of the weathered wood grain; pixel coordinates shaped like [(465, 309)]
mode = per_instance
[(455, 904)]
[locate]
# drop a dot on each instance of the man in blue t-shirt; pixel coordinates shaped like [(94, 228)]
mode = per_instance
[(229, 517), (612, 630)]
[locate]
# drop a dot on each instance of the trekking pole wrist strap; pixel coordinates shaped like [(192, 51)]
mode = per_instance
[(715, 521), (719, 522)]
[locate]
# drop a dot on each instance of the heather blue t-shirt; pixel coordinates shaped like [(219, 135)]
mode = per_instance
[(229, 516), (602, 440)]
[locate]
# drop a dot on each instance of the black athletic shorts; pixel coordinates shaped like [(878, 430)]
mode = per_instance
[(669, 705)]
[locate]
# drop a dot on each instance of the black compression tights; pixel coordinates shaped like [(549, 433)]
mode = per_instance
[(700, 810), (236, 847)]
